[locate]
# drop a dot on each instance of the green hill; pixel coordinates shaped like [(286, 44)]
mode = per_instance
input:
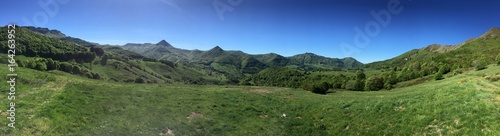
[(302, 61), (59, 35), (468, 54), (323, 62), (57, 103), (67, 86), (40, 51)]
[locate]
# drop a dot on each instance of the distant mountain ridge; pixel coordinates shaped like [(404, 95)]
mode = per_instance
[(163, 50), (163, 63), (59, 35)]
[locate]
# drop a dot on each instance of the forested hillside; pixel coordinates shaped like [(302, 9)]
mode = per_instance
[(45, 50)]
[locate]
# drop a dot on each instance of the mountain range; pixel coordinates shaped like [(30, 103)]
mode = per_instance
[(235, 62), (165, 51), (162, 62)]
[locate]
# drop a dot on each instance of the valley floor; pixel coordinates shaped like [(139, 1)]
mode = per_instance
[(56, 103)]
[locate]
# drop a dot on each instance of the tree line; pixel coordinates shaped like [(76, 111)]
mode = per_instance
[(359, 81)]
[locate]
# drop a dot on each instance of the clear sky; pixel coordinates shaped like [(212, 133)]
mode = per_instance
[(286, 27)]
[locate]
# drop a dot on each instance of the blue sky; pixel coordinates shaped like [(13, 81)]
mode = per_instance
[(286, 27)]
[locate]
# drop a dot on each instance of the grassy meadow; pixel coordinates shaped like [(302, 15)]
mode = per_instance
[(57, 103)]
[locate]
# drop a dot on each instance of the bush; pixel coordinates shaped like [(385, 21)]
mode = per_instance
[(350, 85), (444, 69), (387, 86), (76, 70), (438, 76), (498, 59), (360, 75), (104, 59), (66, 67), (52, 65), (456, 72), (88, 75), (481, 65), (168, 63), (355, 85), (96, 62), (374, 84), (139, 80), (96, 76), (40, 66), (317, 88), (97, 50)]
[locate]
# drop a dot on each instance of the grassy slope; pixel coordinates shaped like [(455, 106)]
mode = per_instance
[(55, 103)]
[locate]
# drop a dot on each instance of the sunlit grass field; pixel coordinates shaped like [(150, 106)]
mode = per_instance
[(56, 103)]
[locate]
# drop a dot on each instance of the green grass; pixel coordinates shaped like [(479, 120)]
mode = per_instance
[(56, 103)]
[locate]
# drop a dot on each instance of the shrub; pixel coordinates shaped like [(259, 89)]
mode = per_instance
[(95, 62), (97, 50), (66, 67), (76, 70), (139, 80), (104, 59), (88, 75), (374, 84), (52, 65), (444, 69), (481, 65), (438, 76), (96, 76), (456, 72), (168, 63), (21, 63), (318, 88), (354, 85), (387, 86), (360, 75), (498, 59), (40, 66)]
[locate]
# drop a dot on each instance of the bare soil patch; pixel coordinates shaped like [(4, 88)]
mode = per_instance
[(194, 115)]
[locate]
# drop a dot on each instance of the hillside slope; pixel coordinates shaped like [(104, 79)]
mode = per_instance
[(485, 48), (44, 50), (57, 103)]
